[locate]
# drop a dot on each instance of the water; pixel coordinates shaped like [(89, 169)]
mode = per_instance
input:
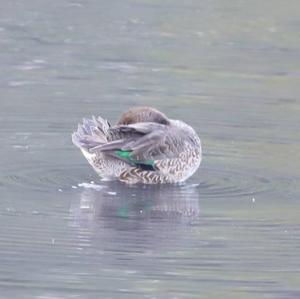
[(231, 69)]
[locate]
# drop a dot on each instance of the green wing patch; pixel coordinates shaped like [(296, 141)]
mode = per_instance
[(126, 155)]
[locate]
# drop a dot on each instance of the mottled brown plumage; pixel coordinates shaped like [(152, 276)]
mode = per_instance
[(143, 147)]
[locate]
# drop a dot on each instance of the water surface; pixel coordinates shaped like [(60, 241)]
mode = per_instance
[(231, 69)]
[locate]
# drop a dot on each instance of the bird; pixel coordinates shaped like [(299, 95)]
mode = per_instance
[(144, 146)]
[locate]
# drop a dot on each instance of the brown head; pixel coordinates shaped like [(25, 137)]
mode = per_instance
[(142, 114)]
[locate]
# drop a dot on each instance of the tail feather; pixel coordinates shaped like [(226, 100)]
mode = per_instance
[(91, 133)]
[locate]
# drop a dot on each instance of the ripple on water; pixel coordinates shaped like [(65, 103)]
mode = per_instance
[(43, 177), (212, 183), (220, 183)]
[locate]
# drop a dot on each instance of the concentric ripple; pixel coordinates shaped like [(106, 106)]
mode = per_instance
[(212, 183), (219, 183), (44, 178)]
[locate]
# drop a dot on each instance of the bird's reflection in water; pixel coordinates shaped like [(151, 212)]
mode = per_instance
[(114, 199), (126, 220), (135, 230)]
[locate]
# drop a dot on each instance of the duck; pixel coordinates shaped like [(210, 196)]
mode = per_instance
[(144, 146)]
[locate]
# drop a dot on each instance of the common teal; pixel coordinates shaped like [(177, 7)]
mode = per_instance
[(143, 147)]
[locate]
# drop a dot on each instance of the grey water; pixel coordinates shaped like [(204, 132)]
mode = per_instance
[(231, 69)]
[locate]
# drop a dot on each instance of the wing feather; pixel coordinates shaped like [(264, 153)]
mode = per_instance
[(145, 141)]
